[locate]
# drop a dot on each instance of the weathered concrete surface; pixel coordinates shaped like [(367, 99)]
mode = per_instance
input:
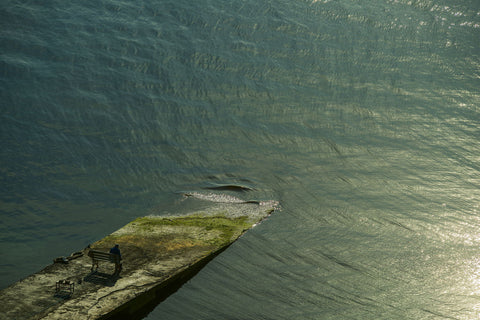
[(159, 255)]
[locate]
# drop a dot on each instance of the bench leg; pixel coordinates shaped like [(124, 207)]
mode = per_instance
[(94, 263)]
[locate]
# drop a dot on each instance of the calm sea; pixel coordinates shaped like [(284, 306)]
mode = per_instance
[(361, 117)]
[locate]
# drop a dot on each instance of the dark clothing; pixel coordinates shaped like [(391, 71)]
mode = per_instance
[(116, 250), (118, 265)]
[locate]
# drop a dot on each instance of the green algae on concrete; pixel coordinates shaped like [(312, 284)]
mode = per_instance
[(159, 255), (188, 230)]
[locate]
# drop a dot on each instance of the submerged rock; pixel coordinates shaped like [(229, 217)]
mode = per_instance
[(159, 255)]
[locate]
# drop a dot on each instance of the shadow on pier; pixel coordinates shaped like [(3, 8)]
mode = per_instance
[(101, 278)]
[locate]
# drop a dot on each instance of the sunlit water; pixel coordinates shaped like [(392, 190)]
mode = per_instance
[(360, 117)]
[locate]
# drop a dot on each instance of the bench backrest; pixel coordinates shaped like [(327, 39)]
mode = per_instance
[(105, 256)]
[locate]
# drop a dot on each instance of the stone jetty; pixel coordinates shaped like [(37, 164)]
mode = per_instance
[(159, 254)]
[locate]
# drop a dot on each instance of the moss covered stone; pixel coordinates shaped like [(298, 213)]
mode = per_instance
[(166, 235)]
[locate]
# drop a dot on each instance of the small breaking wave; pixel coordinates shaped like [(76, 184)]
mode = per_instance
[(214, 197)]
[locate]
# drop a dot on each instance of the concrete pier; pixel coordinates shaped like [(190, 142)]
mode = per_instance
[(159, 255)]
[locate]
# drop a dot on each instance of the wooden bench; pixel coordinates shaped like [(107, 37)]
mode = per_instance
[(105, 256)]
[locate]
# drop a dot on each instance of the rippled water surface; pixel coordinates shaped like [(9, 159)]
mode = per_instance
[(360, 117)]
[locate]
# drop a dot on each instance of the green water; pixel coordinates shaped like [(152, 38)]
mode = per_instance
[(360, 117)]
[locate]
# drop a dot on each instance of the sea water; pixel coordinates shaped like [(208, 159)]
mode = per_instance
[(361, 117)]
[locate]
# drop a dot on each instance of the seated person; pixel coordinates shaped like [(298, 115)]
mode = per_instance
[(118, 265)]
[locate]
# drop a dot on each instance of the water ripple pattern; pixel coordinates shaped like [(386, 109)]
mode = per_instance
[(359, 118)]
